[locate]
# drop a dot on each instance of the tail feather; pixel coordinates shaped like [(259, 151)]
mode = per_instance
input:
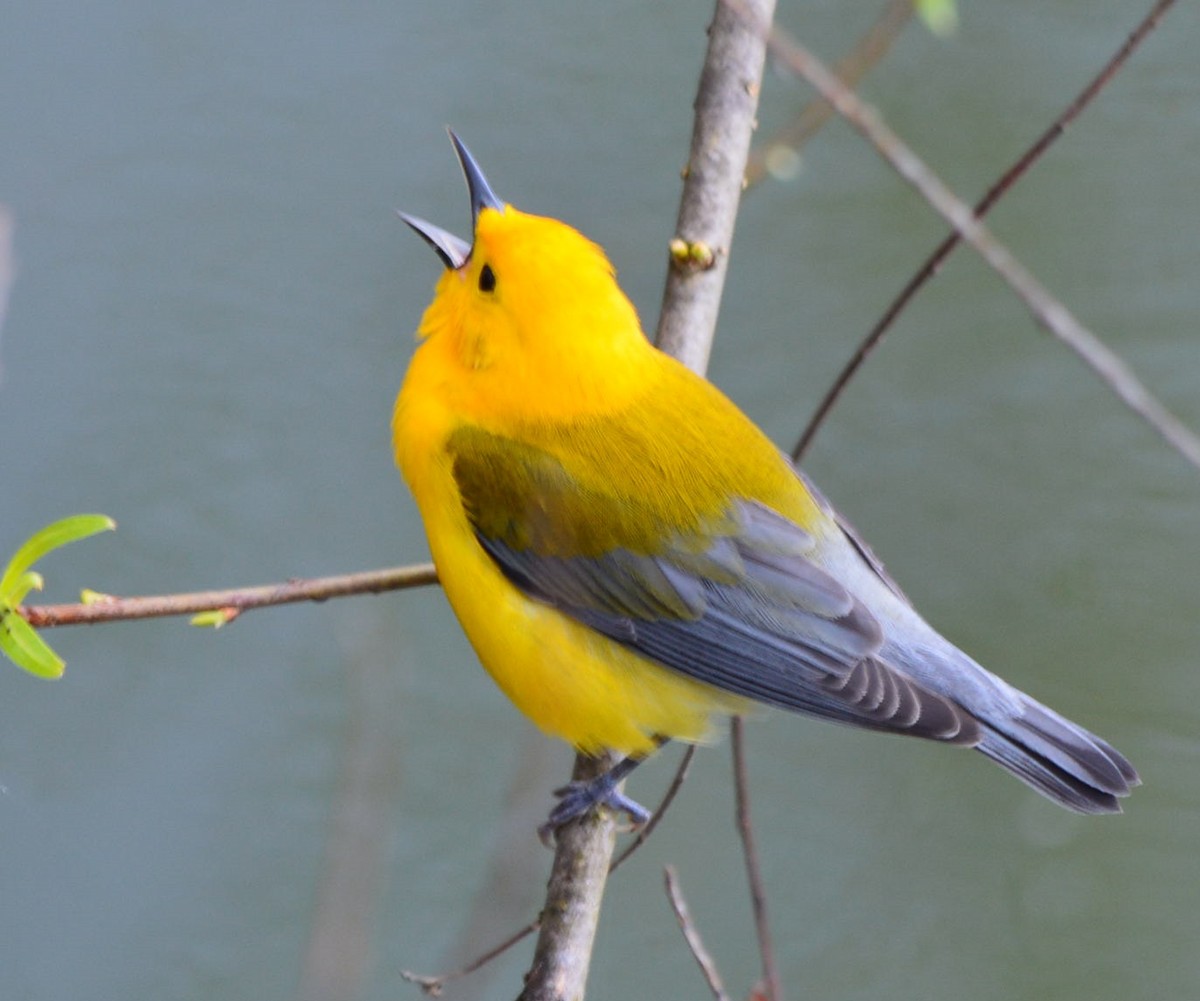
[(1046, 751), (1059, 759)]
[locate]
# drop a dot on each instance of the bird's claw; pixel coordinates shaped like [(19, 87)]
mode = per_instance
[(578, 797)]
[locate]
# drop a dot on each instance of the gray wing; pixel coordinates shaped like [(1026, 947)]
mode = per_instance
[(747, 612)]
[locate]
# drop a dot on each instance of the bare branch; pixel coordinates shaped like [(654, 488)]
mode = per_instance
[(696, 944), (571, 913), (433, 984), (758, 897), (668, 798), (933, 263), (1049, 313), (713, 180), (233, 601), (724, 120)]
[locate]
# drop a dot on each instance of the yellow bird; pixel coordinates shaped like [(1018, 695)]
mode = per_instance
[(632, 558)]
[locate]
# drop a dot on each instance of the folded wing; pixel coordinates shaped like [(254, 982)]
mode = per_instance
[(738, 605)]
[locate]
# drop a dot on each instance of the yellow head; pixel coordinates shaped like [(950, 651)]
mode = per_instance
[(528, 320)]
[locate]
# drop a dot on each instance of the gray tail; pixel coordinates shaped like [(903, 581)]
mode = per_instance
[(1059, 759)]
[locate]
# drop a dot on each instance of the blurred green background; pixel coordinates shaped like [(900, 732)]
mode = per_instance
[(213, 310)]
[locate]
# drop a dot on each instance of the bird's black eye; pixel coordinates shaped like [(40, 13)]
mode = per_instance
[(487, 279)]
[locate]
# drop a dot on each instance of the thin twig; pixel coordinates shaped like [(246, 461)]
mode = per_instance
[(1048, 312), (850, 69), (758, 896), (934, 262), (668, 798), (433, 984), (692, 936), (233, 600)]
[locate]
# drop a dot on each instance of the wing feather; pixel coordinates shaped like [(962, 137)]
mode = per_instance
[(737, 604)]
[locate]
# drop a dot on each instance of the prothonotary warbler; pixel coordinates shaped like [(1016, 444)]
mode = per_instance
[(632, 558)]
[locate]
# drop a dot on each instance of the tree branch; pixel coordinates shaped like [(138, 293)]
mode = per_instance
[(726, 105), (677, 781), (758, 896), (934, 262), (691, 935), (571, 912), (724, 121), (1049, 313), (231, 601)]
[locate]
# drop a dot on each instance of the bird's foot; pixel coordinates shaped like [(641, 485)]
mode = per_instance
[(579, 797)]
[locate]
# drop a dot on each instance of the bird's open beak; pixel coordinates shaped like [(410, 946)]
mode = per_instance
[(452, 250)]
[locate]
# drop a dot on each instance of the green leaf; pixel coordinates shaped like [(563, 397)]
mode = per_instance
[(940, 16), (30, 580), (71, 529), (22, 645)]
